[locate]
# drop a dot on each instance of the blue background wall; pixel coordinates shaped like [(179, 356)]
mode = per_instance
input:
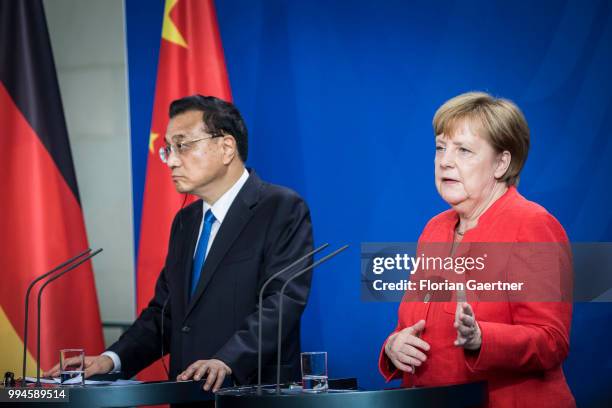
[(338, 97)]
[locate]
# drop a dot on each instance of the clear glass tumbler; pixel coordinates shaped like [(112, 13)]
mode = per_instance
[(314, 371), (72, 367)]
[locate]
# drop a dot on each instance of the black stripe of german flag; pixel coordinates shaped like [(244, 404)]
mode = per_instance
[(28, 73)]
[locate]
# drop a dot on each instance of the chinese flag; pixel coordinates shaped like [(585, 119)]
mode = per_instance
[(190, 61), (41, 222)]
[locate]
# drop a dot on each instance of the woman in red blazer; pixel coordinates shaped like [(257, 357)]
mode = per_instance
[(517, 347)]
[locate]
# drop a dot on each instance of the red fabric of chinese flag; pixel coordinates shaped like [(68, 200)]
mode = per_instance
[(190, 61)]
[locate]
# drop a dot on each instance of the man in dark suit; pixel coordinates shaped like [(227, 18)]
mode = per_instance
[(222, 248)]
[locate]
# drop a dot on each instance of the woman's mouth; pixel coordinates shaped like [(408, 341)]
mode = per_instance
[(448, 180)]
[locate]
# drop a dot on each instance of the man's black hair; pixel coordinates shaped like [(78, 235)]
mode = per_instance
[(219, 117)]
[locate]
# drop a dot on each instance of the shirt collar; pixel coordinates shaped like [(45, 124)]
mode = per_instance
[(222, 205)]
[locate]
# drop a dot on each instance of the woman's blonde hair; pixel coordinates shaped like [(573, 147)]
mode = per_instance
[(498, 120)]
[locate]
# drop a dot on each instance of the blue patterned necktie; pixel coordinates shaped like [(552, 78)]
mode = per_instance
[(200, 255)]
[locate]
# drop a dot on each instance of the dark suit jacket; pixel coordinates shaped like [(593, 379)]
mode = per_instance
[(266, 228)]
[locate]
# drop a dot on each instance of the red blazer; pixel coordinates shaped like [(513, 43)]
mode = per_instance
[(523, 344)]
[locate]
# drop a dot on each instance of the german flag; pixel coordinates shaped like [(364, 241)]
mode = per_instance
[(41, 220), (190, 61)]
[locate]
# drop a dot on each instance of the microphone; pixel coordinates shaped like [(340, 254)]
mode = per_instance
[(87, 258), (261, 291), (280, 309), (27, 303)]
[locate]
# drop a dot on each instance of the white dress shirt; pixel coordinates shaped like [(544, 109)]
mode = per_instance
[(219, 210)]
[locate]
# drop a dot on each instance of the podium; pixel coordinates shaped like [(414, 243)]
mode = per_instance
[(342, 394), (468, 395)]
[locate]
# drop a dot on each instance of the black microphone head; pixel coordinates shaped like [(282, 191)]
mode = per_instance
[(9, 379)]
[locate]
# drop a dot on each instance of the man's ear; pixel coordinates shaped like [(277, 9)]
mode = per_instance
[(230, 149)]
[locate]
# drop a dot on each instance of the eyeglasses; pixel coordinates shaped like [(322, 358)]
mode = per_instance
[(179, 148)]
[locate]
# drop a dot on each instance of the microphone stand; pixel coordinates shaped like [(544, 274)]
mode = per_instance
[(261, 291), (280, 309), (88, 257), (27, 303)]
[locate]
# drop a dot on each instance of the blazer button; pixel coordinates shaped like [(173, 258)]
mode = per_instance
[(186, 329)]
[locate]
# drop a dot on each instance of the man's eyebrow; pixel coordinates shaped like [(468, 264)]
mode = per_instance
[(176, 138)]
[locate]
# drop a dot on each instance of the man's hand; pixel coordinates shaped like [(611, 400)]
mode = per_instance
[(468, 332), (215, 371), (93, 365), (404, 348)]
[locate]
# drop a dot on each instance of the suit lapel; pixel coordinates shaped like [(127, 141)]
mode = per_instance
[(239, 214)]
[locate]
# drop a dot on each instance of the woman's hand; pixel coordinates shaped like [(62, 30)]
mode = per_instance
[(468, 332), (405, 349)]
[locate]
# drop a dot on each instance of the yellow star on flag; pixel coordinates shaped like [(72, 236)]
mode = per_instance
[(152, 139), (170, 31)]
